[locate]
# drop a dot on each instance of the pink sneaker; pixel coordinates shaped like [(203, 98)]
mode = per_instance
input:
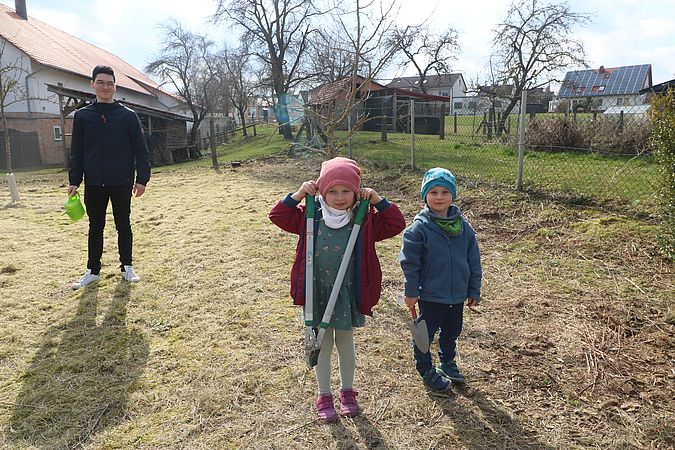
[(348, 404), (325, 408)]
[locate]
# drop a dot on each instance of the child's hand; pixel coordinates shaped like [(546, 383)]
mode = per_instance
[(371, 196), (471, 304), (308, 187), (411, 301)]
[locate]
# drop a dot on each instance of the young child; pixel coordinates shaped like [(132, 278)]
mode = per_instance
[(338, 187), (441, 269)]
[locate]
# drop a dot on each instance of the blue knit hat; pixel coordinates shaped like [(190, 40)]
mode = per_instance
[(438, 177)]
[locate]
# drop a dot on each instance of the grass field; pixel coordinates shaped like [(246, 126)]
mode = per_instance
[(619, 181), (622, 180), (573, 347)]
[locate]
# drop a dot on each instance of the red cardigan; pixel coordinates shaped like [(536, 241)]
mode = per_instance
[(383, 221)]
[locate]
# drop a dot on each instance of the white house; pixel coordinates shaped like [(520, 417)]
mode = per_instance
[(52, 69)]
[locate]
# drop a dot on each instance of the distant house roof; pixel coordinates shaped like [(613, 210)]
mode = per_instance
[(57, 49), (606, 81), (431, 81), (332, 91), (496, 90), (403, 94), (659, 88)]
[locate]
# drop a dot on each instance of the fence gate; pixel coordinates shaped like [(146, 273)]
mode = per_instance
[(25, 149)]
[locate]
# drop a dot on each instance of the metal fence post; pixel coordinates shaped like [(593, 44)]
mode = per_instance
[(349, 131), (441, 131), (412, 133), (521, 139)]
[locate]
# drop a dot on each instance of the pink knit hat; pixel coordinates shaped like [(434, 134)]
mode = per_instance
[(339, 171)]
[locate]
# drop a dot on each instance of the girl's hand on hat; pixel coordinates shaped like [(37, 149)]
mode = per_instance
[(307, 188), (371, 196)]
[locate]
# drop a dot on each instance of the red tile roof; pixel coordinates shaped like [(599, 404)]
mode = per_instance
[(55, 48), (340, 89)]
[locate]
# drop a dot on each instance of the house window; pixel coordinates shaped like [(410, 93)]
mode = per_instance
[(58, 133), (458, 105), (619, 101)]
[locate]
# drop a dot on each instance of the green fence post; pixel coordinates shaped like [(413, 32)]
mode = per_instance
[(521, 139)]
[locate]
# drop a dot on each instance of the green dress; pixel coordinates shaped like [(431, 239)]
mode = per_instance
[(329, 246)]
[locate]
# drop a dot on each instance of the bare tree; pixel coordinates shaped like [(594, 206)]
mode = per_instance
[(240, 76), (362, 36), (277, 32), (214, 86), (182, 65), (12, 90), (328, 60), (425, 51), (533, 44)]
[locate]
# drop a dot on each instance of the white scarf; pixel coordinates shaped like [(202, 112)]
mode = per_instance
[(334, 218)]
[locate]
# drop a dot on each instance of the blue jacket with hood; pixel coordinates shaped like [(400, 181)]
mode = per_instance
[(437, 267)]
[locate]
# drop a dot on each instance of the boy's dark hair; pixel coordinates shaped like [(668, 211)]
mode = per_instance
[(102, 69)]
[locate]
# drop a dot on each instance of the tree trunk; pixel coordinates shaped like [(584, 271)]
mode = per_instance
[(507, 111), (242, 117), (11, 181), (192, 154), (8, 151), (282, 115)]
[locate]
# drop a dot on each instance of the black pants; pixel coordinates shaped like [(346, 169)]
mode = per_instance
[(96, 200), (447, 318)]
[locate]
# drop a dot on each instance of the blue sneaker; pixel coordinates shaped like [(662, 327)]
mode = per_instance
[(436, 381), (450, 371)]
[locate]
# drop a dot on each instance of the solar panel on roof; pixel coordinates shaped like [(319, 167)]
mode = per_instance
[(617, 81)]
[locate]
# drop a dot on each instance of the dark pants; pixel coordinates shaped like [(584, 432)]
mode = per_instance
[(447, 318), (96, 199)]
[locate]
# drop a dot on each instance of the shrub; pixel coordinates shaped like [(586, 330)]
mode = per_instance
[(663, 145), (559, 133), (599, 133), (606, 135)]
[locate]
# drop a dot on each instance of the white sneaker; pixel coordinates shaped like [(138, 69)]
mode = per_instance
[(129, 275), (86, 279)]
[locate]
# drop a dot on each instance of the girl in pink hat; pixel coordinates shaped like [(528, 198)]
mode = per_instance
[(338, 189)]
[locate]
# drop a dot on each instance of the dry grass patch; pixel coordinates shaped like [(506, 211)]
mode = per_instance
[(574, 347)]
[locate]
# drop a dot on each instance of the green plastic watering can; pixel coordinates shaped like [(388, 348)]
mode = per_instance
[(74, 207)]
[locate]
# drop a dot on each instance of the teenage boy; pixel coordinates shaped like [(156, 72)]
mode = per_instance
[(108, 150)]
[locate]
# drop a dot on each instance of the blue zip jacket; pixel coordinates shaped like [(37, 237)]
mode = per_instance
[(437, 267), (108, 146)]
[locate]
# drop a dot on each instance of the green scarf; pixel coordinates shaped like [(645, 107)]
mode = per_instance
[(451, 227)]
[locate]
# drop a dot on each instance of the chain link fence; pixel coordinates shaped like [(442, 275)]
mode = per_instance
[(584, 157)]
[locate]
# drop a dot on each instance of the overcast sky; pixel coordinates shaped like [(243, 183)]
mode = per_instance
[(623, 32)]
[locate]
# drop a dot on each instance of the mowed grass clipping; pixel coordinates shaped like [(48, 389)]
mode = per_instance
[(572, 349)]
